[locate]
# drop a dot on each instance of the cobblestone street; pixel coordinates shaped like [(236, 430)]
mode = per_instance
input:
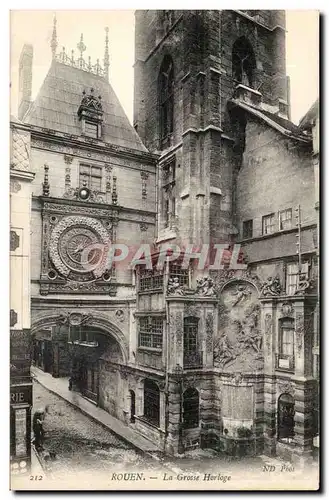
[(89, 456), (81, 444)]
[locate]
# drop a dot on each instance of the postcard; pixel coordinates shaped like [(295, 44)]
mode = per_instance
[(164, 250)]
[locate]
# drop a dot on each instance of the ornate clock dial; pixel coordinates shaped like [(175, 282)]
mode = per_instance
[(79, 245)]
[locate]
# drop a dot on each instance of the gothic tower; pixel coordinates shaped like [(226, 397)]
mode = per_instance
[(189, 67)]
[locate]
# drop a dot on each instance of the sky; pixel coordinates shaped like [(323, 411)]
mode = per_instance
[(35, 27)]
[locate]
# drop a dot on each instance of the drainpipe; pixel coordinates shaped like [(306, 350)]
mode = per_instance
[(165, 284)]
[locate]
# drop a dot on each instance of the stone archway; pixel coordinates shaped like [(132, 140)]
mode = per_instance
[(64, 318)]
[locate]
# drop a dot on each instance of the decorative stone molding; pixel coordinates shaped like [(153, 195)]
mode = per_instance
[(287, 309), (15, 186), (13, 318), (21, 149), (286, 387), (268, 331), (209, 331), (120, 315), (14, 241), (68, 159), (299, 333), (191, 309), (227, 276)]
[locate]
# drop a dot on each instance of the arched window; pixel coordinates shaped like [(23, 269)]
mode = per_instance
[(166, 99), (243, 62), (190, 408), (151, 402), (286, 412)]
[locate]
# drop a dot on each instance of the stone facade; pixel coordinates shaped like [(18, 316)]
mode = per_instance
[(232, 158), (186, 357)]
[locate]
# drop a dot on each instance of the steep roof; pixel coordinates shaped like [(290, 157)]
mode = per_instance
[(310, 116), (281, 124), (60, 96)]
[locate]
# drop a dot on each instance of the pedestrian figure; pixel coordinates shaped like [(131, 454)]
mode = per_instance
[(38, 430)]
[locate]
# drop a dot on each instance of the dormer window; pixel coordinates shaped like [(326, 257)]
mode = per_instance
[(90, 115)]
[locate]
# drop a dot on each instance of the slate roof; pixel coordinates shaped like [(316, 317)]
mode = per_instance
[(281, 124), (59, 98)]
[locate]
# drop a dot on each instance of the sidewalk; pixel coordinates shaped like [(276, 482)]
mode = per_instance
[(59, 386)]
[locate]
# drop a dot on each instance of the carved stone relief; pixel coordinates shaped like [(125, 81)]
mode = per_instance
[(20, 157), (15, 186), (14, 241), (299, 333), (238, 342), (209, 331), (179, 330), (268, 331), (286, 386)]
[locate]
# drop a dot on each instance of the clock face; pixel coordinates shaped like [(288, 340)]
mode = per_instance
[(79, 245)]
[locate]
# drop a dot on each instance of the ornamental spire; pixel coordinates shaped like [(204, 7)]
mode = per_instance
[(106, 54), (53, 43)]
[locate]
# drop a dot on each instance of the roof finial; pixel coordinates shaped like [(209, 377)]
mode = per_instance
[(106, 54), (53, 43), (81, 46)]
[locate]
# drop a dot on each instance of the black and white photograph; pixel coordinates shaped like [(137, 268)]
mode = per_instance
[(164, 250)]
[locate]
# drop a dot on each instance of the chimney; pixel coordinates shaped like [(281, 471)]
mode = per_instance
[(25, 80)]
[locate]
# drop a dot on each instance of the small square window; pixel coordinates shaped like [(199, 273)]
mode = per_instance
[(268, 224), (285, 219), (247, 228)]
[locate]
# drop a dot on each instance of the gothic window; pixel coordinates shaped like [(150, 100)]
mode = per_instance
[(286, 340), (247, 228), (285, 219), (151, 332), (166, 99), (91, 175), (243, 62), (151, 402), (286, 412), (190, 408), (268, 224)]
